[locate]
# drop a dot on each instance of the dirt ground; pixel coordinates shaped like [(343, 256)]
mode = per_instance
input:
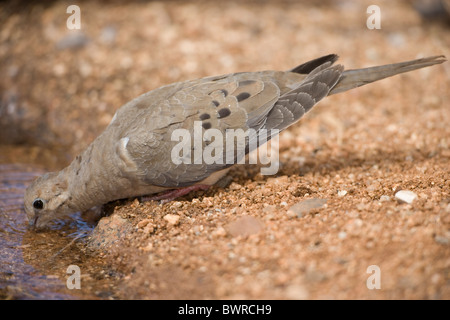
[(256, 236)]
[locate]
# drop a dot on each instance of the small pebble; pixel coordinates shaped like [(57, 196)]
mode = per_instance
[(172, 219), (220, 232), (270, 209), (108, 35), (72, 40), (141, 224), (447, 208), (442, 239), (148, 247), (342, 193), (405, 196), (177, 204), (296, 292)]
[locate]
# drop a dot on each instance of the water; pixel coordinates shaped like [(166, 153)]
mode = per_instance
[(33, 265)]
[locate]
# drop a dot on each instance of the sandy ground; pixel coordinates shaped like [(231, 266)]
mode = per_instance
[(255, 237)]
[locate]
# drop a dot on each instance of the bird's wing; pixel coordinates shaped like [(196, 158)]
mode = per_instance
[(246, 101)]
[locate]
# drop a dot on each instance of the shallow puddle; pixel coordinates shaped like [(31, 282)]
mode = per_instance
[(34, 265)]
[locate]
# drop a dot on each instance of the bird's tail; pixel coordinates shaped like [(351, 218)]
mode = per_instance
[(355, 78)]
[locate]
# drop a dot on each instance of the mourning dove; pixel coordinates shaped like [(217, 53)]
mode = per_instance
[(133, 156)]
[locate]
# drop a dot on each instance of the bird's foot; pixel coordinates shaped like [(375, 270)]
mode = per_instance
[(170, 195)]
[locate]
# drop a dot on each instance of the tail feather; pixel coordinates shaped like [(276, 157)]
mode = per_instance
[(291, 106), (355, 78)]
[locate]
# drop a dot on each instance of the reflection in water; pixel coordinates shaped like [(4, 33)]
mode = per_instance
[(33, 265)]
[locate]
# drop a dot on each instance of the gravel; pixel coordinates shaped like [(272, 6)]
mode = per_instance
[(370, 142)]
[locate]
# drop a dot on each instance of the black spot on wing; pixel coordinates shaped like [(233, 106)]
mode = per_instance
[(204, 116), (216, 103), (242, 96), (246, 82), (206, 125), (309, 66)]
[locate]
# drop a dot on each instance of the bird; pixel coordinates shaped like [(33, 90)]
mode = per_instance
[(132, 157)]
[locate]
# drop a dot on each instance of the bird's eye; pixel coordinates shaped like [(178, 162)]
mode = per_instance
[(38, 204)]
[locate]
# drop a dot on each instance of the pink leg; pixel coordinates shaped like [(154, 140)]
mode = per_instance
[(176, 193)]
